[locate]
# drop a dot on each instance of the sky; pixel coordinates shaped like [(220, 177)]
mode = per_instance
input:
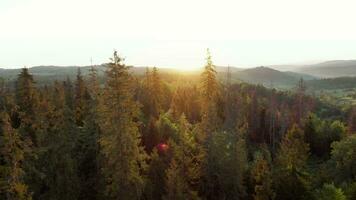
[(176, 33)]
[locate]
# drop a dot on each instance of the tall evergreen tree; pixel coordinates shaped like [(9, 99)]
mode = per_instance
[(123, 157), (80, 98), (87, 147), (27, 101), (156, 93), (56, 165), (209, 92)]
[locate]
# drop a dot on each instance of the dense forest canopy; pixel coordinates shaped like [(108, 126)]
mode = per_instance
[(113, 134)]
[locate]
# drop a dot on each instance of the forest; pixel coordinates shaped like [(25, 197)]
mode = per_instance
[(155, 136)]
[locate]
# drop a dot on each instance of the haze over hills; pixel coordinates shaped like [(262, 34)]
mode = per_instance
[(286, 77), (259, 75), (328, 69), (335, 68)]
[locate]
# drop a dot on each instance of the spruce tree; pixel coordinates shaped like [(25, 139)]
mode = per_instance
[(262, 179), (87, 147), (123, 155), (59, 167), (12, 152), (294, 151), (27, 101), (290, 179), (209, 92), (80, 99), (184, 170)]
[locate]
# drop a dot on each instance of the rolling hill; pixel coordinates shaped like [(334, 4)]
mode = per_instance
[(271, 77), (329, 69), (259, 75)]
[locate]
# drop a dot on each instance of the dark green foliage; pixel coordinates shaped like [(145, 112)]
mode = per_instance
[(329, 192), (320, 134), (225, 167), (290, 178), (342, 163)]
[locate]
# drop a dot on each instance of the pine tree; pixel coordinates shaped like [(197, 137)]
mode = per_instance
[(12, 151), (123, 157)]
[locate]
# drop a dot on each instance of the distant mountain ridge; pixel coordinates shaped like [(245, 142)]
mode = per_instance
[(328, 69), (259, 75), (271, 77)]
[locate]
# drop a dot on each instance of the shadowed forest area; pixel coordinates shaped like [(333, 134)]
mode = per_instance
[(155, 136)]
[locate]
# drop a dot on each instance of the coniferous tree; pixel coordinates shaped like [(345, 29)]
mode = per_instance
[(24, 119), (262, 179), (27, 100), (225, 166), (59, 167), (209, 92), (184, 170), (80, 98), (69, 93), (12, 152), (290, 180), (156, 93), (123, 156), (87, 147), (156, 179)]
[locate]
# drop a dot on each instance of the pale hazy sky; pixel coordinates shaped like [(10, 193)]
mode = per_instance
[(175, 33)]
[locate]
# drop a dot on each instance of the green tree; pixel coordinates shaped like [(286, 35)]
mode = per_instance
[(27, 101), (329, 192), (209, 95), (262, 179), (342, 163), (80, 99), (87, 146), (156, 179), (152, 93), (290, 178), (58, 163), (294, 151), (321, 133), (12, 151), (225, 167), (184, 170), (123, 155)]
